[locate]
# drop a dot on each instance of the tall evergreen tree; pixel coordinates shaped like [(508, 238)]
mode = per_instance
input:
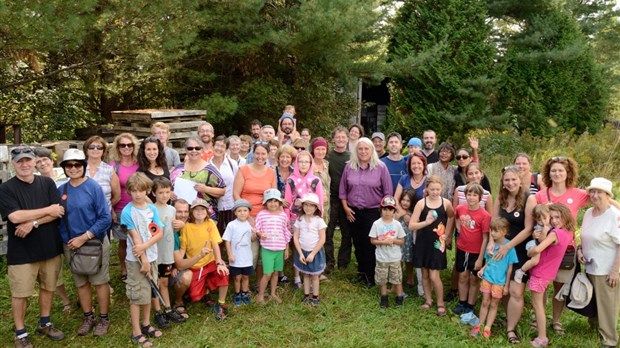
[(441, 67)]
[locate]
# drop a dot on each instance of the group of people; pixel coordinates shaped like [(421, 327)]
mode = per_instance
[(272, 193)]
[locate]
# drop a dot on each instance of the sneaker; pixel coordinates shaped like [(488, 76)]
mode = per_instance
[(399, 300), (475, 331), (306, 299), (404, 295), (245, 298), (283, 279), (460, 309), (174, 316), (237, 301), (486, 333), (384, 302), (299, 285), (101, 329), (161, 320), (519, 275), (50, 331), (219, 311), (420, 291), (450, 296), (315, 301), (87, 324), (23, 342)]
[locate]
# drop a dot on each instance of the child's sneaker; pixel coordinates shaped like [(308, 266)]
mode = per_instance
[(174, 316), (475, 331), (486, 333), (384, 302), (315, 301), (161, 320), (519, 275), (220, 311), (460, 309), (306, 299), (399, 300), (237, 301), (283, 279), (245, 298)]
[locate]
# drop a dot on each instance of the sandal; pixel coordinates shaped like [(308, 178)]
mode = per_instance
[(66, 309), (181, 310), (441, 311), (141, 341), (557, 327), (513, 339), (151, 331), (427, 305)]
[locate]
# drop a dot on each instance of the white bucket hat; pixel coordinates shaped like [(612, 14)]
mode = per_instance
[(601, 184), (272, 194), (581, 292)]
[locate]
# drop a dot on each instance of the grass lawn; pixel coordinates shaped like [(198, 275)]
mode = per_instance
[(348, 316)]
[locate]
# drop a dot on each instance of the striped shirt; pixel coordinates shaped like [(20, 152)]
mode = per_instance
[(275, 230)]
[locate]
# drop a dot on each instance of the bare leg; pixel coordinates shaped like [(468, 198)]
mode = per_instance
[(222, 291), (103, 297), (463, 285), (274, 285), (539, 310), (426, 283), (245, 283), (18, 306), (237, 284), (484, 308), (45, 302), (316, 281), (135, 319), (437, 286), (122, 254), (558, 306), (85, 295), (409, 268), (492, 311), (306, 284), (163, 290), (474, 287), (515, 305), (62, 293), (264, 280)]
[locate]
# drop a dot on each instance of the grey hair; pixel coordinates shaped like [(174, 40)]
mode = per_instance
[(354, 162)]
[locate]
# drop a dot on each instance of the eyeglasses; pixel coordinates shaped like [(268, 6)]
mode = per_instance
[(462, 157), (122, 146), (161, 132), (303, 162), (193, 148), (21, 149), (73, 165), (96, 147)]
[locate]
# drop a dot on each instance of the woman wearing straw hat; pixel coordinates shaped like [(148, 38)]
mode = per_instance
[(600, 253)]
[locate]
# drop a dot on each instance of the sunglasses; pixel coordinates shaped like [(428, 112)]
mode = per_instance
[(462, 157), (122, 146), (151, 140), (21, 149), (511, 167), (300, 148), (96, 147), (73, 165), (193, 148), (559, 159)]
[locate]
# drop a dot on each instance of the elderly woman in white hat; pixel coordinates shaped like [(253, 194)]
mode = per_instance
[(87, 216), (600, 253)]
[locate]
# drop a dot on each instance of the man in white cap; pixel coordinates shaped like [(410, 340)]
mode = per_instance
[(378, 140), (30, 205)]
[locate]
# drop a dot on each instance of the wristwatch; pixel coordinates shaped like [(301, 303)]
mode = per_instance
[(35, 224)]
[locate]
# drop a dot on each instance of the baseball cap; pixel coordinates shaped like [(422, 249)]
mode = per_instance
[(378, 135), (415, 142), (388, 202)]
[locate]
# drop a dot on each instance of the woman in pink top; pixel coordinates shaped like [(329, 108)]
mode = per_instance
[(124, 160)]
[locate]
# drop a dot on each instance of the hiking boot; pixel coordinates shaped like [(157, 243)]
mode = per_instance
[(399, 300), (87, 324), (219, 310), (174, 316), (237, 301), (101, 329), (161, 320), (384, 301), (23, 342), (245, 298), (51, 332)]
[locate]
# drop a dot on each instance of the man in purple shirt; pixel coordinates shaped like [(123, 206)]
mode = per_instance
[(364, 182)]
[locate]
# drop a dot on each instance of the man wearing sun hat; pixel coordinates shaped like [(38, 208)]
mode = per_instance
[(30, 205)]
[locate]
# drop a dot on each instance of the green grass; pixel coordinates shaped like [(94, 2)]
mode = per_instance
[(348, 316)]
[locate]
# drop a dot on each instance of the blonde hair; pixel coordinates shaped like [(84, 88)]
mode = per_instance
[(433, 179), (115, 155), (288, 149), (160, 125), (540, 210), (500, 224), (354, 162), (503, 193), (139, 182)]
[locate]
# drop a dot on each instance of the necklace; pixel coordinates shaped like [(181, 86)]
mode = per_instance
[(191, 176), (417, 182)]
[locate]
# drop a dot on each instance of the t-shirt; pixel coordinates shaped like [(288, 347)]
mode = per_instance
[(552, 256), (139, 219), (309, 231), (41, 243), (383, 231), (228, 169), (86, 210), (496, 270), (194, 237), (337, 162), (472, 224), (573, 198), (396, 169), (239, 234), (600, 237), (275, 230), (172, 157), (165, 246)]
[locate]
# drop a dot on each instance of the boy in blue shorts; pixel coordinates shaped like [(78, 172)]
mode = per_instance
[(238, 237)]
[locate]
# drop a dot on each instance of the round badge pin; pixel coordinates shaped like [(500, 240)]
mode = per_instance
[(517, 214), (569, 201)]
